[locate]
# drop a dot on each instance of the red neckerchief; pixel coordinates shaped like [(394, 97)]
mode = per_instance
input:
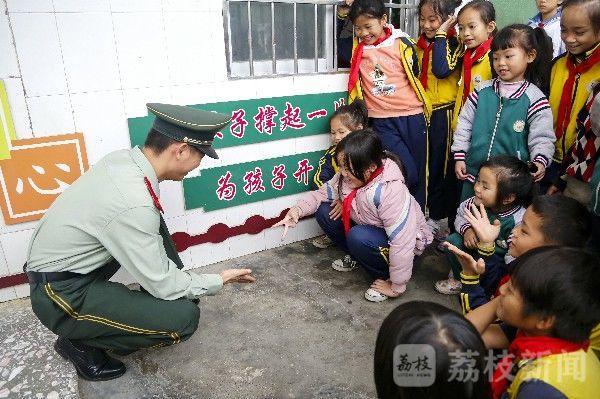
[(153, 195), (358, 53), (525, 348), (347, 203), (564, 107), (426, 46), (468, 61)]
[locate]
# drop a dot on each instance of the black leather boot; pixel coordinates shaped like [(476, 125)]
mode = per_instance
[(92, 364)]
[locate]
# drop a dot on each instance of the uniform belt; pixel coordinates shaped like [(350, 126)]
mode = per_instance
[(41, 277)]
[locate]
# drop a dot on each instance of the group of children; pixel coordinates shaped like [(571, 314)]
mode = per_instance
[(471, 125)]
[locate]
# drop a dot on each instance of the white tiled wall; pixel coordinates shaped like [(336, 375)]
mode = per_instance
[(87, 66)]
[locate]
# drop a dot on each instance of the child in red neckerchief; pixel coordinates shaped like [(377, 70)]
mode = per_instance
[(573, 78), (385, 73), (548, 309), (440, 53), (382, 227)]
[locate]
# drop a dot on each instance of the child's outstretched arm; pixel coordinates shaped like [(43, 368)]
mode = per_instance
[(308, 204), (473, 294)]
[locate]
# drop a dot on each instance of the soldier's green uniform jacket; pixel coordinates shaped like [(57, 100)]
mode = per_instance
[(109, 214)]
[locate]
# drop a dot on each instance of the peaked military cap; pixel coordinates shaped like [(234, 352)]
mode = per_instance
[(189, 125)]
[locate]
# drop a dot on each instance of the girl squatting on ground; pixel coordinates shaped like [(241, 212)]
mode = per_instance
[(385, 72), (382, 226), (510, 114)]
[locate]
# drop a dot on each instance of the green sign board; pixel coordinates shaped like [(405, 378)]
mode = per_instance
[(227, 186), (260, 120)]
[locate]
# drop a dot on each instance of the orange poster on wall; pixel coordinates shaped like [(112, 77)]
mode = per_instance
[(37, 172)]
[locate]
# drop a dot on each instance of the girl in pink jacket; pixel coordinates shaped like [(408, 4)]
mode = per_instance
[(381, 227)]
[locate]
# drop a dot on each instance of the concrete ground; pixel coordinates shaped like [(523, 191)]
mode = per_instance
[(302, 331)]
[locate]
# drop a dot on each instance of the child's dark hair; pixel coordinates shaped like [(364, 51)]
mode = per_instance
[(592, 10), (565, 221), (530, 40), (354, 115), (561, 282), (427, 323), (514, 178), (443, 8), (362, 148), (369, 8), (485, 9)]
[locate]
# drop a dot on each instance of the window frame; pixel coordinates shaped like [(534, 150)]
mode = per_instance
[(405, 8)]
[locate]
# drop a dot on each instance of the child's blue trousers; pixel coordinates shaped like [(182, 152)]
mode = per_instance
[(368, 245), (439, 135), (406, 137)]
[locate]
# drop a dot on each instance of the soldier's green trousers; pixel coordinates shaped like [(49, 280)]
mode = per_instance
[(108, 315)]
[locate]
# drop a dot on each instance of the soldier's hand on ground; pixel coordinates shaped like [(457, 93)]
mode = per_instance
[(460, 168), (290, 220), (484, 230), (237, 276), (470, 239), (336, 210), (469, 265)]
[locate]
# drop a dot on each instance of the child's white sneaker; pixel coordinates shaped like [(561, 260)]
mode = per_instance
[(322, 242), (345, 264), (448, 287), (375, 296)]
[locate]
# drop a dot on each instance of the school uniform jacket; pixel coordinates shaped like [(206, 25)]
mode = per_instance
[(552, 28), (327, 168), (386, 203), (489, 125), (443, 71), (410, 62), (481, 71), (572, 375), (478, 289), (582, 88)]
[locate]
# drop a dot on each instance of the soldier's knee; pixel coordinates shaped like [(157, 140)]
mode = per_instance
[(190, 316)]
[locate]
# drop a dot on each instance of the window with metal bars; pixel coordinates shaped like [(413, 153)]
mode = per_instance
[(290, 37)]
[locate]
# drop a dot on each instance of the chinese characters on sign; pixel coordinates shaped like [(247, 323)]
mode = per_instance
[(217, 188), (38, 171), (260, 120)]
